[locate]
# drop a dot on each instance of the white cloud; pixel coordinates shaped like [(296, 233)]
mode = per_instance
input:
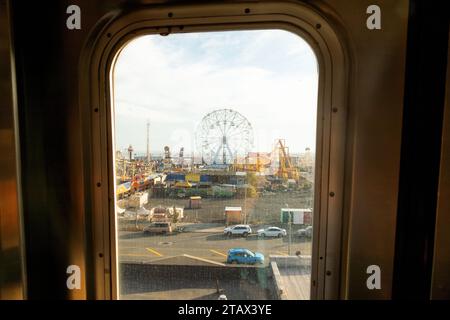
[(268, 76)]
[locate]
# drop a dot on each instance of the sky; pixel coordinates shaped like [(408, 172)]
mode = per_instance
[(268, 76)]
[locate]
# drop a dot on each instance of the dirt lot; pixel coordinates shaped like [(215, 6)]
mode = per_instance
[(262, 209)]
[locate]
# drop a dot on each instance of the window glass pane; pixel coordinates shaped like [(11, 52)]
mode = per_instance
[(214, 130)]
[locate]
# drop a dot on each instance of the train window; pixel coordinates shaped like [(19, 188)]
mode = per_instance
[(215, 138)]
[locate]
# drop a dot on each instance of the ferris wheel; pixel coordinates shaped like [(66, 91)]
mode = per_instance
[(223, 135)]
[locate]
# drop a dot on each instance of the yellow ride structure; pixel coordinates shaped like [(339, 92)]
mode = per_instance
[(286, 170), (279, 158)]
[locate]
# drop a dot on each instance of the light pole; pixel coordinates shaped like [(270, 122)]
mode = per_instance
[(245, 203), (290, 230), (136, 221)]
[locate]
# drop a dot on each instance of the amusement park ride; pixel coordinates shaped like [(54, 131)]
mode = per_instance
[(277, 163), (224, 138)]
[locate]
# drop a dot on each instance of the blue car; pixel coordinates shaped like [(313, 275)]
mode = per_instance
[(244, 256)]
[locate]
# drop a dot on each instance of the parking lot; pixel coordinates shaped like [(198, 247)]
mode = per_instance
[(205, 241)]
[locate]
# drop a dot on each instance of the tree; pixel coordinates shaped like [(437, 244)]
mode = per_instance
[(176, 215), (252, 179), (251, 191)]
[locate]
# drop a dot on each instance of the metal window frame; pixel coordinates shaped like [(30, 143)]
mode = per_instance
[(116, 29)]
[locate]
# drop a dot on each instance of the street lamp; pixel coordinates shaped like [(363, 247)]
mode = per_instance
[(136, 221), (245, 203), (290, 229)]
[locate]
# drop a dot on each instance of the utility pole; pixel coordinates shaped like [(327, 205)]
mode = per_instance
[(148, 142), (245, 198), (290, 230), (136, 222)]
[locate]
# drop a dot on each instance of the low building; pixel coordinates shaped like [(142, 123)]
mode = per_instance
[(138, 200), (233, 215), (195, 202), (296, 216)]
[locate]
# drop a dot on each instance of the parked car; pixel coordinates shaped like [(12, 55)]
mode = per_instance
[(244, 256), (272, 232), (306, 232), (160, 217), (240, 229), (158, 227)]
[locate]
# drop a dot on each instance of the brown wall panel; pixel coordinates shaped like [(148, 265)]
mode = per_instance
[(12, 280), (53, 160)]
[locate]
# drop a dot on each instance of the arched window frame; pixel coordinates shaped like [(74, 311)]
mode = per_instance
[(116, 29)]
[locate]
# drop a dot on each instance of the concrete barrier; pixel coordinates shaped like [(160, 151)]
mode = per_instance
[(301, 261), (165, 281), (147, 271), (278, 282)]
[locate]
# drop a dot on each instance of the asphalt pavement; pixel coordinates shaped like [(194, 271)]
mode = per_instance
[(206, 242)]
